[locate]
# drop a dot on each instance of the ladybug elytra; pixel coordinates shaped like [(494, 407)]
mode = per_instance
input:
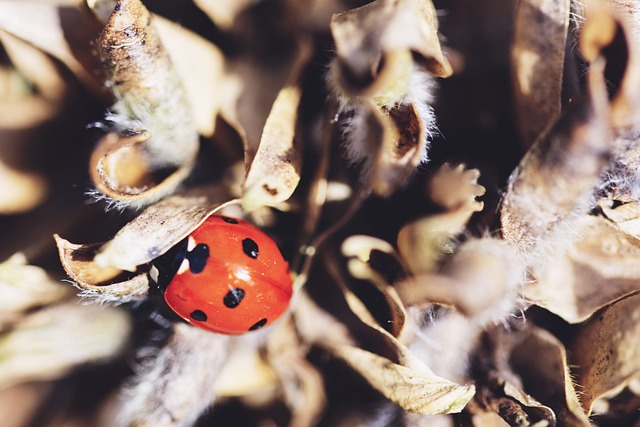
[(227, 276)]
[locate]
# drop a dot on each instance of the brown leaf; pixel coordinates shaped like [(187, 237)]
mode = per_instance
[(538, 55), (415, 388), (163, 225), (151, 97), (600, 267), (605, 350), (275, 170)]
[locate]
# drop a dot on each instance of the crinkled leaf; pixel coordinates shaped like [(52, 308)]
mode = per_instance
[(605, 350), (557, 176), (365, 34)]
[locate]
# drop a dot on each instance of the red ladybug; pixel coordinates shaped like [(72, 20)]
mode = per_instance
[(227, 277)]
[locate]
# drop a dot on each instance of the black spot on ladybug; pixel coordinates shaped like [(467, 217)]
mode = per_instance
[(250, 248), (259, 324), (233, 297), (198, 315), (229, 220), (167, 265), (198, 258)]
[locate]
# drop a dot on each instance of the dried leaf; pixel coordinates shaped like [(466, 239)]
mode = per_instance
[(152, 98), (360, 250), (541, 362), (163, 225), (170, 392), (605, 350), (538, 63), (384, 95), (275, 170), (600, 267), (415, 389), (52, 341)]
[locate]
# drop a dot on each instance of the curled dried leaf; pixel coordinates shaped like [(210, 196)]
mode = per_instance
[(415, 389), (46, 29), (605, 350), (151, 98), (538, 63), (52, 341), (275, 170)]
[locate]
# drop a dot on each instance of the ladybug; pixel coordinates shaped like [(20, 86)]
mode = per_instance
[(227, 276)]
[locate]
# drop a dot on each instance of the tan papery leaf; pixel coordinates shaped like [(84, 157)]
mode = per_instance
[(275, 169), (103, 283), (538, 63), (605, 350)]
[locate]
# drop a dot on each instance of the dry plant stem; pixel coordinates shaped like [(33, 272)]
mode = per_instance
[(178, 385), (557, 177), (147, 85)]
